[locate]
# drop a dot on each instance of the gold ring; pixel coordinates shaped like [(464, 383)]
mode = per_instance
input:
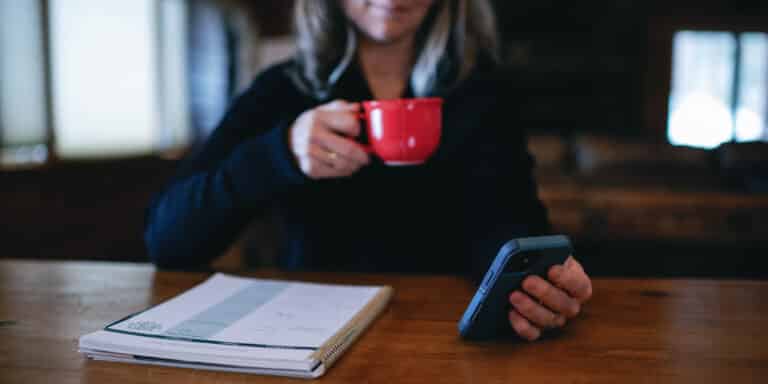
[(555, 321)]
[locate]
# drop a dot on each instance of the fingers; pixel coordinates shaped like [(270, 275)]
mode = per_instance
[(523, 327), (314, 166), (572, 278), (551, 296), (340, 105), (340, 116), (319, 140), (550, 304), (321, 164), (349, 150), (536, 313)]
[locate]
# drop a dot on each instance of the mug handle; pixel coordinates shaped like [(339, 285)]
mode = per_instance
[(365, 147)]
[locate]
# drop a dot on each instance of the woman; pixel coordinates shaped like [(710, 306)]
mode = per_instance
[(289, 143)]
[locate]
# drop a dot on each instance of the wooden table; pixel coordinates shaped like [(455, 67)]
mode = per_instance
[(632, 331)]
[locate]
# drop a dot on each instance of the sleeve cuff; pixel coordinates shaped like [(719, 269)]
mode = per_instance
[(263, 166), (280, 154)]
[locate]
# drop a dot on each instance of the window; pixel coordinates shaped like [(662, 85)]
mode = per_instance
[(719, 88), (751, 113), (23, 112), (107, 78), (103, 61)]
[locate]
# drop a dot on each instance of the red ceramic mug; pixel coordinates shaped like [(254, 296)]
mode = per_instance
[(403, 131)]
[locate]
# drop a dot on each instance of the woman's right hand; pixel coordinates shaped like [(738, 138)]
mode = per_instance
[(320, 141)]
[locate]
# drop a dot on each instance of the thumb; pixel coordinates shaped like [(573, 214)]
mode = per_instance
[(340, 105)]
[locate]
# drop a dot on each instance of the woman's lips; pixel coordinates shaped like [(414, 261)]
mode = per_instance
[(387, 11)]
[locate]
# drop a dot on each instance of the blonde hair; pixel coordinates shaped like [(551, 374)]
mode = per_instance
[(452, 36)]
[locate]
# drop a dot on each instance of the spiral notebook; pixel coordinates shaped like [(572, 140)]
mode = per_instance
[(246, 325)]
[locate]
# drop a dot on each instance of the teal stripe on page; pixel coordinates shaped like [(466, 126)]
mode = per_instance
[(228, 311)]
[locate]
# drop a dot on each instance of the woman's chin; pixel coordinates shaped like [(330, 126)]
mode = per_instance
[(387, 36)]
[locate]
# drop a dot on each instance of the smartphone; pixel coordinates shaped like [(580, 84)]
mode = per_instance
[(487, 316)]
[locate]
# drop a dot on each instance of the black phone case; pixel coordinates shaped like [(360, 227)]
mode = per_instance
[(487, 314)]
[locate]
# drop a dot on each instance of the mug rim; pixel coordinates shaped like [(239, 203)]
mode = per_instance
[(401, 101)]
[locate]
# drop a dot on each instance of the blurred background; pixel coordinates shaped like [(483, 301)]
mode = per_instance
[(648, 120)]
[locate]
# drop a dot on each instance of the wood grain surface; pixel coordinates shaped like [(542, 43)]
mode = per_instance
[(633, 331)]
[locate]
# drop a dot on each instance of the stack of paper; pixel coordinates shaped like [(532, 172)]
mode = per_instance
[(245, 325)]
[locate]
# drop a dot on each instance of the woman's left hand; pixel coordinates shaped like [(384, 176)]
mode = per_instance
[(549, 304)]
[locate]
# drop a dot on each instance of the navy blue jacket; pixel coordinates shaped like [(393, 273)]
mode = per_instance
[(449, 215)]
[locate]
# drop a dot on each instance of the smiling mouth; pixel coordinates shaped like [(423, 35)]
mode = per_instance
[(387, 11)]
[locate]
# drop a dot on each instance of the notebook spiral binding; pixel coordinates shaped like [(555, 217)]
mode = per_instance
[(359, 324), (333, 352)]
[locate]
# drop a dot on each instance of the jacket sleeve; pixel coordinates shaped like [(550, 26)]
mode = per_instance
[(245, 163), (501, 194)]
